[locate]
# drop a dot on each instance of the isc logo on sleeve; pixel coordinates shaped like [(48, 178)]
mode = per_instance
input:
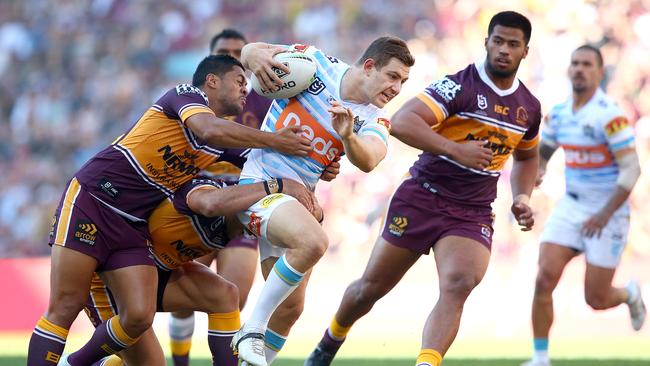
[(325, 146)]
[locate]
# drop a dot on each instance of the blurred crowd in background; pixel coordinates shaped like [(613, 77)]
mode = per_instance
[(75, 74)]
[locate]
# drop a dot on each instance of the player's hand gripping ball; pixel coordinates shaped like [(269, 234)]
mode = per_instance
[(302, 73)]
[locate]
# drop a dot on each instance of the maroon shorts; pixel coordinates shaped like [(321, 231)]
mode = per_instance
[(243, 241), (88, 226), (417, 219)]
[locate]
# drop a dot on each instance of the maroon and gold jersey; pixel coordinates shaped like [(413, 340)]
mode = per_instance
[(468, 107), (252, 116), (154, 158), (178, 234)]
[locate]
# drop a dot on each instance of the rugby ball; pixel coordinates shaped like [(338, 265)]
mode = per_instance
[(302, 71)]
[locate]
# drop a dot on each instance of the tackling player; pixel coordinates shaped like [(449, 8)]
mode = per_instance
[(594, 215), (199, 219), (467, 124), (340, 113), (100, 224)]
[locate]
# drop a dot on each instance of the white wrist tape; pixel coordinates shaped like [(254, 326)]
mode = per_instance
[(628, 171)]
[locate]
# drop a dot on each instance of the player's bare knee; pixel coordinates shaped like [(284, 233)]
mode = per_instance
[(458, 285), (65, 306), (314, 245), (137, 319), (223, 297), (369, 291), (545, 282), (596, 301)]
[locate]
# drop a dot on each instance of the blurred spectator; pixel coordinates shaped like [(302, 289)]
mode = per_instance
[(76, 73)]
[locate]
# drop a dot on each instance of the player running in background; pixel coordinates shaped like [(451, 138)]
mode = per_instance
[(594, 215), (341, 113), (199, 219), (100, 224), (467, 125)]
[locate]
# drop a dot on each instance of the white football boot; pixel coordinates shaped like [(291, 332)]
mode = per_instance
[(635, 303)]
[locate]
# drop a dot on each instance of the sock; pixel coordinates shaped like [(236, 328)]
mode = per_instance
[(180, 334), (428, 357), (109, 338), (540, 346), (221, 328), (46, 344), (336, 331), (273, 343), (281, 282)]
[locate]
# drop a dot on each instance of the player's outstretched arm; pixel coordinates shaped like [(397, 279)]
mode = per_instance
[(522, 181), (412, 124), (365, 152), (220, 132), (212, 201), (258, 58)]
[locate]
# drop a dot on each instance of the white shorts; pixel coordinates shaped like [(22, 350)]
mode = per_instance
[(564, 228), (256, 220)]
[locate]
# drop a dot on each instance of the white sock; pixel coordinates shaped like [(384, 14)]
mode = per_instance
[(270, 354), (540, 356), (181, 328), (281, 282), (273, 344)]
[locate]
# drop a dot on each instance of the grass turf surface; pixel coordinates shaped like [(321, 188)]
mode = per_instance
[(21, 361)]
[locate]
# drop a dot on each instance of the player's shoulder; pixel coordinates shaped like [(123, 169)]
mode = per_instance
[(604, 105), (528, 95), (184, 93), (449, 86)]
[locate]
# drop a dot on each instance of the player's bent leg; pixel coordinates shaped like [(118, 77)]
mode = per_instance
[(134, 289), (461, 264), (599, 292), (238, 264), (70, 278), (387, 265), (284, 316), (194, 286), (289, 226)]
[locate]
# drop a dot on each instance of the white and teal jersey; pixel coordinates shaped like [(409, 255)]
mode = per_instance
[(309, 110), (590, 137)]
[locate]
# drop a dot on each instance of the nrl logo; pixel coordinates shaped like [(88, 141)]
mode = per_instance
[(279, 72), (482, 101)]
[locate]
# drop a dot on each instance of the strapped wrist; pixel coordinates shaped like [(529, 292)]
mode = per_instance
[(273, 185)]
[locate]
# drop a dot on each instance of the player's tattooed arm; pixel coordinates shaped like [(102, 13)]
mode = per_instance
[(212, 201), (629, 172), (545, 153), (219, 132)]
